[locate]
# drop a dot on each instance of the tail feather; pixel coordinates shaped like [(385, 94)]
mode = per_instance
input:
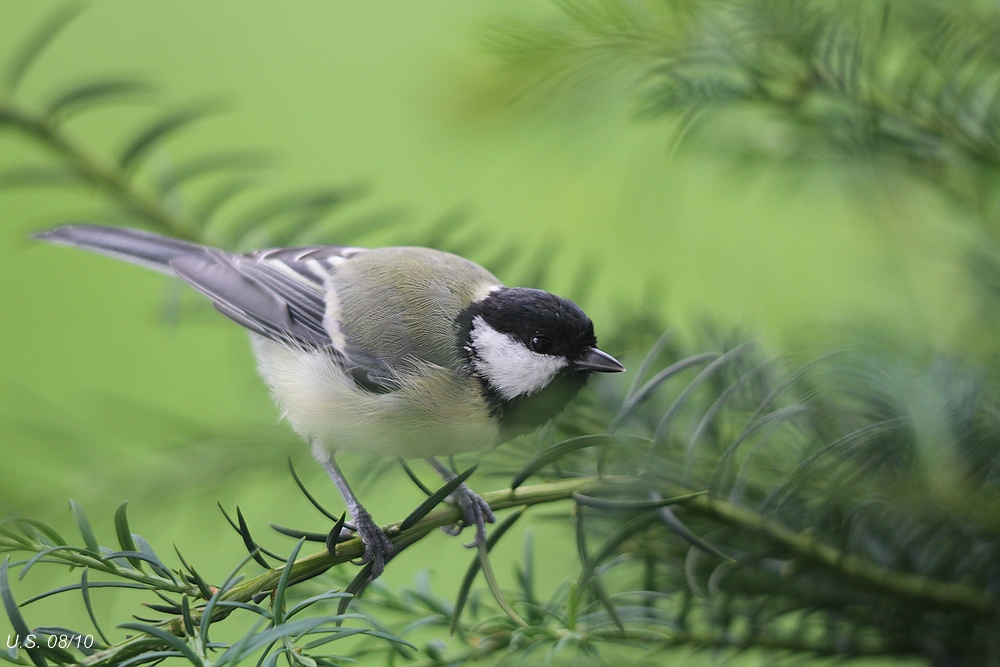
[(143, 248)]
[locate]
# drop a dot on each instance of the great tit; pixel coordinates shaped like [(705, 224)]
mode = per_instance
[(399, 351)]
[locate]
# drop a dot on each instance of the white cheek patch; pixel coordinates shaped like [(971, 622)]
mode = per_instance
[(510, 367)]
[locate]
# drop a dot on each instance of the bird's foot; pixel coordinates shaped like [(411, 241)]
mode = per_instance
[(378, 547), (475, 512)]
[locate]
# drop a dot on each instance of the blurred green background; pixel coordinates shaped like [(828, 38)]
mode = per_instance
[(111, 391)]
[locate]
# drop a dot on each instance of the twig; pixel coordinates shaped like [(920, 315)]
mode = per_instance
[(855, 568), (315, 564), (94, 170)]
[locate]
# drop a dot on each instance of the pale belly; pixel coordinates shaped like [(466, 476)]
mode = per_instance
[(435, 412)]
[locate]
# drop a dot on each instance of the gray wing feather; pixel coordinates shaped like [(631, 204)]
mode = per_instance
[(132, 245), (279, 294), (276, 295), (245, 300), (304, 301)]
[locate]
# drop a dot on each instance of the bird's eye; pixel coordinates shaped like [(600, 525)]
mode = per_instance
[(541, 344)]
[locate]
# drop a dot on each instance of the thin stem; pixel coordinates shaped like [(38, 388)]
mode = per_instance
[(75, 558), (315, 564), (653, 640), (94, 170), (855, 568)]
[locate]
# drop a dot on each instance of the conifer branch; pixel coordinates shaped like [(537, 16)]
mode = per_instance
[(862, 571), (802, 544), (94, 170)]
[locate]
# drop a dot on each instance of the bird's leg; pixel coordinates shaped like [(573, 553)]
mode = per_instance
[(378, 547), (475, 511)]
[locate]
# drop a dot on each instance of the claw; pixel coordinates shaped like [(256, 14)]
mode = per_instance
[(378, 547), (475, 512)]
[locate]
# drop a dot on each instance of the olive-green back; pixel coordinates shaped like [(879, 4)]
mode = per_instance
[(400, 303)]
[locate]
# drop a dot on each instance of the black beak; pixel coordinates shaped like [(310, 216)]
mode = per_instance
[(595, 361)]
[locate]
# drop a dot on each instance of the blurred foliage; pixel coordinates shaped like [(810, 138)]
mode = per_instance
[(911, 85), (191, 200), (869, 92), (730, 500), (856, 496)]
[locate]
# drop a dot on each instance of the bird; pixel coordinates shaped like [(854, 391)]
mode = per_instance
[(396, 351)]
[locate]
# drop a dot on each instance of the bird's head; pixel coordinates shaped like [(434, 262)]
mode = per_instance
[(532, 351)]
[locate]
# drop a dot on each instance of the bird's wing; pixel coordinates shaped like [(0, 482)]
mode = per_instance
[(281, 294)]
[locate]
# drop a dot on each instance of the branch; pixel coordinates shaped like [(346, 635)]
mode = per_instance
[(855, 568), (94, 170), (315, 564), (662, 641)]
